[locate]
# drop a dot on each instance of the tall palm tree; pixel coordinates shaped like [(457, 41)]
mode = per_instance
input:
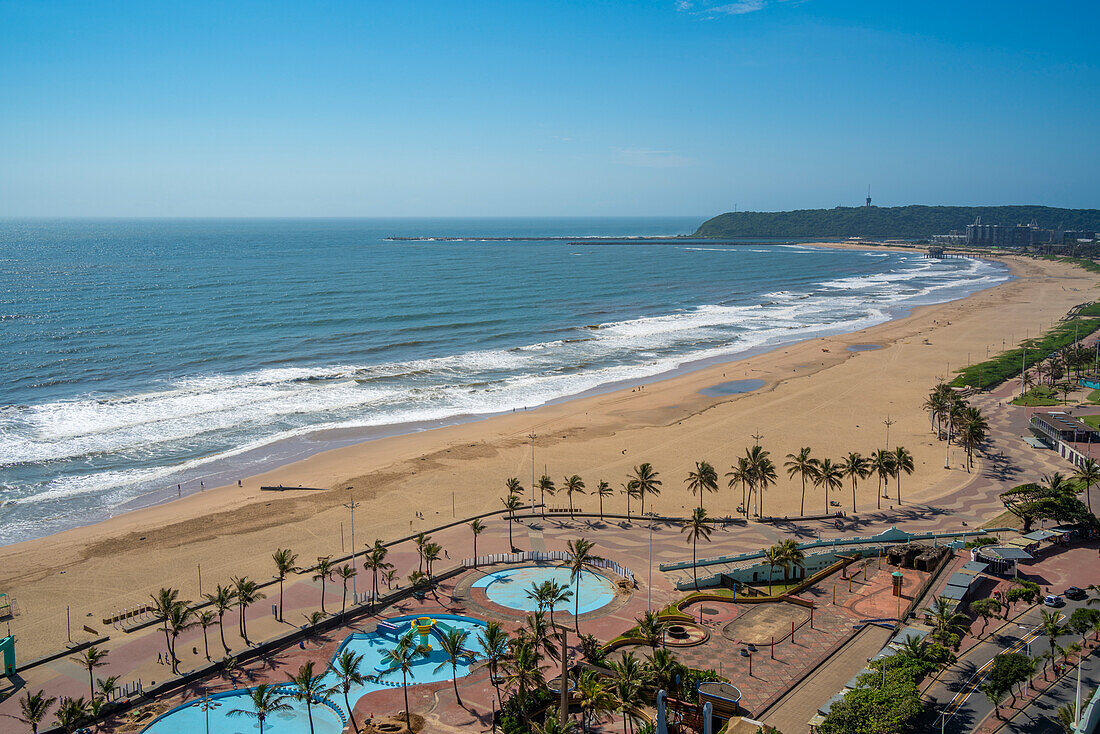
[(513, 486), (538, 632), (511, 503), (664, 669), (91, 659), (603, 489), (830, 477), (773, 556), (180, 618), (222, 600), (594, 696), (702, 479), (946, 622), (973, 430), (1088, 474), (322, 573), (266, 701), (347, 672), (422, 539), (573, 484), (163, 601), (71, 714), (937, 405), (453, 645), (1052, 627), (432, 553), (629, 676), (628, 489), (477, 527), (882, 464), (903, 464), (523, 672), (793, 556), (493, 641), (580, 560), (556, 594), (855, 466), (205, 619), (739, 474), (308, 689), (804, 466), (285, 564), (546, 487), (375, 562), (697, 527), (345, 573), (247, 593), (33, 708), (651, 628), (645, 482), (402, 658), (763, 472)]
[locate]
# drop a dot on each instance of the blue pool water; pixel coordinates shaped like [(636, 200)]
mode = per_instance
[(509, 588), (372, 646)]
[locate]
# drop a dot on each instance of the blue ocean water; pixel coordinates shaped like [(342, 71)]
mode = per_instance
[(140, 354)]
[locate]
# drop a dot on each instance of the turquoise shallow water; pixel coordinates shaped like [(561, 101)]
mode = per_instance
[(372, 646), (509, 588), (138, 355)]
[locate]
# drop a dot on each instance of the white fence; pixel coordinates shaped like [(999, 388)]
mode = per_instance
[(541, 556)]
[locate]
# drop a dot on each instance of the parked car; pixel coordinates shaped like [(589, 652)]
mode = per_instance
[(1074, 592), (1053, 600)]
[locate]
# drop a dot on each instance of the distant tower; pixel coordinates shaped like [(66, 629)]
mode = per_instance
[(868, 195)]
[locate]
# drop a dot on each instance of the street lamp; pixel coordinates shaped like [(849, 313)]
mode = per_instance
[(351, 506), (649, 584), (533, 436)]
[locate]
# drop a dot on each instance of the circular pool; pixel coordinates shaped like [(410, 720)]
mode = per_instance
[(509, 588)]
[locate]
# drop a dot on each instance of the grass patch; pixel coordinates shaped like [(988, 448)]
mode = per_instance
[(1005, 520), (1092, 420), (1039, 395), (1094, 397), (775, 589)]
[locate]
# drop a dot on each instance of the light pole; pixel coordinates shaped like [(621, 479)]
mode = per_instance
[(533, 436), (351, 507), (649, 584), (887, 423)]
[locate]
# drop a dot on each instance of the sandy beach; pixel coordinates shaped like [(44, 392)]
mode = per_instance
[(816, 393)]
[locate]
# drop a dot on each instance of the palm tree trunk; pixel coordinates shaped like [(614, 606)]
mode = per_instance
[(205, 643), (802, 505), (323, 595), (577, 609), (853, 494), (405, 690), (351, 714), (454, 680), (221, 632), (309, 713), (280, 598), (694, 569)]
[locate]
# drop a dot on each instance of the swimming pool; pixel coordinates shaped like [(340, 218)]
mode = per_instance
[(327, 717), (509, 588)]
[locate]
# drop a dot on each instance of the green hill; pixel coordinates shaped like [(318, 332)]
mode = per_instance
[(908, 222)]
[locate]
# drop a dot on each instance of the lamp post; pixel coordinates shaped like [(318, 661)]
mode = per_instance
[(649, 584), (351, 507), (533, 436)]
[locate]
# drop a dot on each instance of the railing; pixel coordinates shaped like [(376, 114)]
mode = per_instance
[(542, 556)]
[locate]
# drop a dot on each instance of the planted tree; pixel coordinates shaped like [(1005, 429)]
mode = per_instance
[(308, 689), (347, 671), (453, 645), (346, 573), (855, 467), (580, 560), (603, 489), (90, 659), (696, 528), (702, 479), (645, 481), (285, 564), (266, 701), (805, 467), (323, 572), (573, 485), (512, 504), (222, 600), (33, 708)]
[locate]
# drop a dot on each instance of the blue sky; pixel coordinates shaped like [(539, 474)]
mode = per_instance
[(542, 108)]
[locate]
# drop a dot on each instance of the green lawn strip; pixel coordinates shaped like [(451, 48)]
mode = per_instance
[(1094, 396), (1092, 420), (1039, 395)]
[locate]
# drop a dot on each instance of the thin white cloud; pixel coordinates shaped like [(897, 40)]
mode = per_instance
[(645, 158), (711, 8)]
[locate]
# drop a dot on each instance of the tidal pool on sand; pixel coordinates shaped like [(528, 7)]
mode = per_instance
[(509, 588)]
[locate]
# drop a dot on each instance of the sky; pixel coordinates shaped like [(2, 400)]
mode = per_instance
[(555, 108)]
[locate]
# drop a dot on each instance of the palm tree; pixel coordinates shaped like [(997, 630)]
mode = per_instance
[(432, 553), (513, 486), (651, 629), (556, 594), (511, 503), (347, 670), (205, 618), (855, 467), (603, 489), (645, 482), (995, 694), (453, 645), (697, 527), (493, 641), (774, 557), (629, 677), (972, 433), (180, 618), (546, 487), (421, 540), (595, 697), (903, 463), (285, 564), (375, 562), (323, 572), (1051, 627), (937, 405), (1088, 474), (71, 714), (703, 479), (308, 688), (402, 658), (740, 475), (247, 593), (477, 527), (804, 466), (793, 557), (946, 622), (882, 464), (1066, 717), (266, 700), (664, 668), (573, 484), (91, 659), (33, 708), (628, 489), (762, 472), (523, 671), (345, 573), (539, 634), (580, 560), (830, 477), (537, 593), (163, 601), (222, 600)]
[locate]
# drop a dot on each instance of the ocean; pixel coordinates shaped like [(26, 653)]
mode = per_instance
[(142, 354)]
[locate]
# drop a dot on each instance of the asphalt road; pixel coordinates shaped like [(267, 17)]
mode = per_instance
[(958, 690)]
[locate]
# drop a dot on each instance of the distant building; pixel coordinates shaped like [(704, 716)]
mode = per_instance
[(997, 235)]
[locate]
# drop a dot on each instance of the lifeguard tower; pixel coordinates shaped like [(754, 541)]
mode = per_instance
[(7, 654)]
